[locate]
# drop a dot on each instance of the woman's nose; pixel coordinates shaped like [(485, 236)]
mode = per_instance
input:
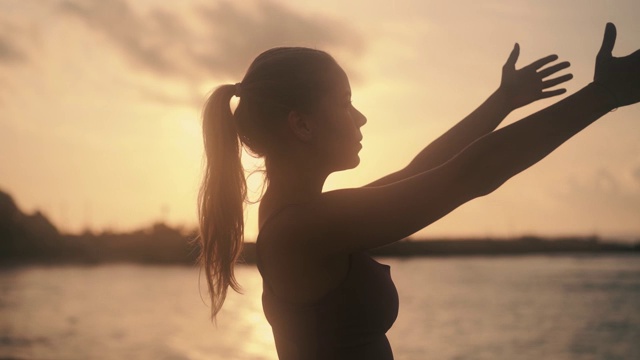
[(360, 118)]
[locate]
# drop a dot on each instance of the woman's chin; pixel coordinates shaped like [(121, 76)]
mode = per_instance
[(346, 162), (353, 163)]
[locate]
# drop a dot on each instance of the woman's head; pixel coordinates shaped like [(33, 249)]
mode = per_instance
[(278, 81), (292, 100), (286, 82)]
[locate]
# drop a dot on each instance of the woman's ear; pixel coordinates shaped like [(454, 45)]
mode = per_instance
[(301, 125)]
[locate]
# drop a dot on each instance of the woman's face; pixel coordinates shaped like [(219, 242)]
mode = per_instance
[(337, 126)]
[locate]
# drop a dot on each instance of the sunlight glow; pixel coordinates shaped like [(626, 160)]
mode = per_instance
[(100, 115)]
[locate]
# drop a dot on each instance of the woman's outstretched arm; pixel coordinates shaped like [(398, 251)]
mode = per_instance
[(348, 220), (517, 88)]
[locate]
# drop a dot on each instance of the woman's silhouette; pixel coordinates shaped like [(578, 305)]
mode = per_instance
[(324, 297)]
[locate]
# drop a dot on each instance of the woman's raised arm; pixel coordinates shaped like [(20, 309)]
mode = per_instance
[(518, 87), (344, 221)]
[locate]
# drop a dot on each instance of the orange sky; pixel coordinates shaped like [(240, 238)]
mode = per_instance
[(100, 102)]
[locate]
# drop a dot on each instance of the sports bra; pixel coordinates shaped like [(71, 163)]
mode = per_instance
[(349, 322)]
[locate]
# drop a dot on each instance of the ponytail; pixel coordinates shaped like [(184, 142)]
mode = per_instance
[(221, 198)]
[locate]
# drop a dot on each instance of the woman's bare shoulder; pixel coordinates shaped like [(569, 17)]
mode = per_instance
[(284, 229)]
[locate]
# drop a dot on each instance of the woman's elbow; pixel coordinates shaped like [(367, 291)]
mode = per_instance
[(482, 183)]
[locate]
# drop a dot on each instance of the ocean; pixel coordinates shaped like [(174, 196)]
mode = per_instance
[(507, 307)]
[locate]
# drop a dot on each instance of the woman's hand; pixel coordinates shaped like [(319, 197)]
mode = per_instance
[(620, 76), (526, 85)]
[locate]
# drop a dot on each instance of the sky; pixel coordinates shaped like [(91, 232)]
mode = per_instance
[(100, 102)]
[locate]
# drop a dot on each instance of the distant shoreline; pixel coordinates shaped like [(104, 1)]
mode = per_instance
[(137, 252), (33, 239), (412, 248)]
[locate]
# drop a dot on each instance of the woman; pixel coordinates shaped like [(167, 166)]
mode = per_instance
[(324, 297)]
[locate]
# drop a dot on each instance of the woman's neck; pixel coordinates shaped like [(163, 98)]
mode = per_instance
[(290, 185)]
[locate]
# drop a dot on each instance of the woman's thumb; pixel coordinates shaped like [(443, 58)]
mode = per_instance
[(608, 42)]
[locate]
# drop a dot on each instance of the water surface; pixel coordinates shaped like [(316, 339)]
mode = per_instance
[(529, 307)]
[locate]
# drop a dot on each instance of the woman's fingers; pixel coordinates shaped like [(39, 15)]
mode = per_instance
[(547, 94), (553, 69), (555, 81), (541, 62)]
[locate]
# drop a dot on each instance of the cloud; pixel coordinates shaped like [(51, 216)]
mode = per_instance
[(220, 43), (238, 36), (143, 40), (9, 52)]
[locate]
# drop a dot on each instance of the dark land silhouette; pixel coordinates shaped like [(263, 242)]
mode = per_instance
[(27, 239)]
